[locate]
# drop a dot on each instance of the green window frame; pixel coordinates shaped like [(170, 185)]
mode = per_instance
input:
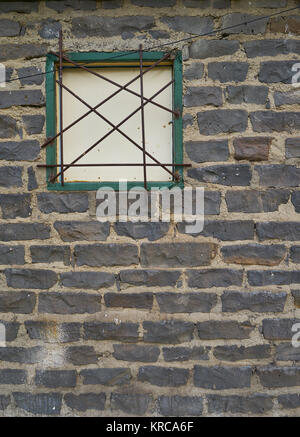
[(115, 58)]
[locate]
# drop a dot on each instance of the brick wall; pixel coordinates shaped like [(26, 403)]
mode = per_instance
[(144, 319)]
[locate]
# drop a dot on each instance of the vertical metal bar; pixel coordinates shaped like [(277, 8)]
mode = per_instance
[(61, 107), (143, 115)]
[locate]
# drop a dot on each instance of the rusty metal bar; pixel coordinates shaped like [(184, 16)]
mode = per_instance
[(115, 128), (143, 115), (114, 164), (83, 67), (104, 118), (50, 140), (61, 106)]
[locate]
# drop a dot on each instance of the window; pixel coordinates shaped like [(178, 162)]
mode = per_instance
[(117, 136)]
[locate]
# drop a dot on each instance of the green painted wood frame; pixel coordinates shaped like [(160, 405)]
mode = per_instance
[(51, 117)]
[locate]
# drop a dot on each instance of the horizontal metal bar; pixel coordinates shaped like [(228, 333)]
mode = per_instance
[(115, 165)]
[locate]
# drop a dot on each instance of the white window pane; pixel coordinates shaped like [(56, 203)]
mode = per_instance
[(116, 148)]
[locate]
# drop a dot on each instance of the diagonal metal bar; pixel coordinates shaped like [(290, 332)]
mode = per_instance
[(125, 88), (104, 118), (114, 129), (143, 116), (61, 106), (50, 140)]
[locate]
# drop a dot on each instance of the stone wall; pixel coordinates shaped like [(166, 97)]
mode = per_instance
[(145, 319)]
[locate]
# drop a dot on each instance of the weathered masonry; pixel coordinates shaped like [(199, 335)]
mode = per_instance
[(112, 319)]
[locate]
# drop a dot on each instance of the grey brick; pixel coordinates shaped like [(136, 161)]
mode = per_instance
[(186, 302), (256, 301), (133, 300), (194, 71), (126, 332), (55, 378), (271, 47), (159, 34), (163, 376), (226, 330), (253, 28), (50, 254), (187, 120), (29, 278), (11, 330), (15, 205), (154, 3), (80, 355), (10, 176), (106, 255), (12, 255), (85, 401), (230, 175), (287, 231), (27, 51), (106, 376), (247, 94), (27, 150), (286, 352), (130, 403), (49, 29), (202, 49), (32, 182), (180, 406), (93, 280), (168, 331), (149, 278), (16, 6), (287, 98), (207, 151), (225, 230), (179, 354), (239, 353), (69, 303), (9, 28), (33, 123), (278, 329), (296, 296), (110, 26), (4, 402), (62, 203), (177, 254), (228, 71), (292, 147), (256, 201), (287, 25), (24, 231), (272, 277), (268, 255), (32, 355), (62, 5), (21, 98), (296, 200), (254, 403), (208, 278), (218, 121), (112, 4), (133, 353), (276, 71), (194, 25), (222, 378), (36, 77), (42, 403), (13, 376), (52, 332), (19, 302), (76, 231), (8, 127), (201, 96), (270, 121), (278, 175), (276, 377), (139, 230), (290, 400)]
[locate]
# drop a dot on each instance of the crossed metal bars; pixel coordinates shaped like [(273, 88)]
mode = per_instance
[(144, 102)]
